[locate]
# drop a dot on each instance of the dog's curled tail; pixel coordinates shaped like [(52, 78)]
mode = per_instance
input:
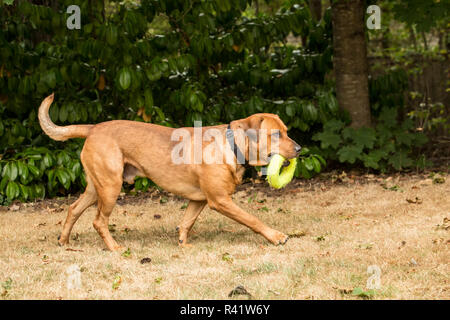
[(57, 132)]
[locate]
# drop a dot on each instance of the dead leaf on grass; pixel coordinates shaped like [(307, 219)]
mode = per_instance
[(438, 179), (417, 200), (297, 234), (227, 257), (344, 290), (116, 282), (402, 244), (239, 290), (146, 260), (438, 241)]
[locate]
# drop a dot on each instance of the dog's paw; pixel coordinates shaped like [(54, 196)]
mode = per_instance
[(277, 237), (283, 241), (62, 242)]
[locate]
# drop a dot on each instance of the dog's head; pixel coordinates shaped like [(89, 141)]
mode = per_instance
[(262, 135)]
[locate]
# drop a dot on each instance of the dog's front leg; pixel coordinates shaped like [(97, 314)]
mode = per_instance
[(226, 206), (192, 211)]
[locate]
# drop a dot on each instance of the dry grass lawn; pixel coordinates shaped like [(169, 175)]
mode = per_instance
[(342, 227)]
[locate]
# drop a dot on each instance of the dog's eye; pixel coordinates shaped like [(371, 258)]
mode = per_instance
[(276, 135)]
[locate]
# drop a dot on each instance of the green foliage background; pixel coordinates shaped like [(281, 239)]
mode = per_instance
[(172, 62)]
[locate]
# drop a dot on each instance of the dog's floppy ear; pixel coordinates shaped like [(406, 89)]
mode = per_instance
[(250, 126), (239, 124)]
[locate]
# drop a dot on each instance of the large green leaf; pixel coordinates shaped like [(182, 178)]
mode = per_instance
[(328, 139), (349, 153)]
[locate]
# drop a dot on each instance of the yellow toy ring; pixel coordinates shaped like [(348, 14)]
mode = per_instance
[(279, 179)]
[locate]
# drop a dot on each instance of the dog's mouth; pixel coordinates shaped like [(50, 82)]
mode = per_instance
[(285, 163)]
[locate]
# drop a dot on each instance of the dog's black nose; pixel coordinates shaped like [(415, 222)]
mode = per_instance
[(297, 148)]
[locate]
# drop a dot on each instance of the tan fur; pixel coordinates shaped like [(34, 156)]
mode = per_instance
[(117, 151)]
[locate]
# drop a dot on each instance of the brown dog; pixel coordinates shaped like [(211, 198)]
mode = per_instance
[(117, 151)]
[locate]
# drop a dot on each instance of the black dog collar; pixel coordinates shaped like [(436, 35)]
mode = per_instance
[(237, 152)]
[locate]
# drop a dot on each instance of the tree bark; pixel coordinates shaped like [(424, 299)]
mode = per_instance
[(350, 60)]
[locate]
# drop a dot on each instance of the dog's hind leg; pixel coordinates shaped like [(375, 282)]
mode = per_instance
[(108, 185), (107, 199), (88, 198), (103, 162), (192, 211)]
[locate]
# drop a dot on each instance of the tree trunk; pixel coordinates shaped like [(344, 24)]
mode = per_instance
[(315, 6), (350, 60)]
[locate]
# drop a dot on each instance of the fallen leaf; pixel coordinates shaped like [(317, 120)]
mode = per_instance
[(146, 260), (239, 290), (344, 290), (438, 179), (297, 234), (438, 240), (116, 282), (417, 200), (227, 257)]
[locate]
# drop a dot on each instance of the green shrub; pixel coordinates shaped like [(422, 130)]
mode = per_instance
[(38, 172), (390, 145)]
